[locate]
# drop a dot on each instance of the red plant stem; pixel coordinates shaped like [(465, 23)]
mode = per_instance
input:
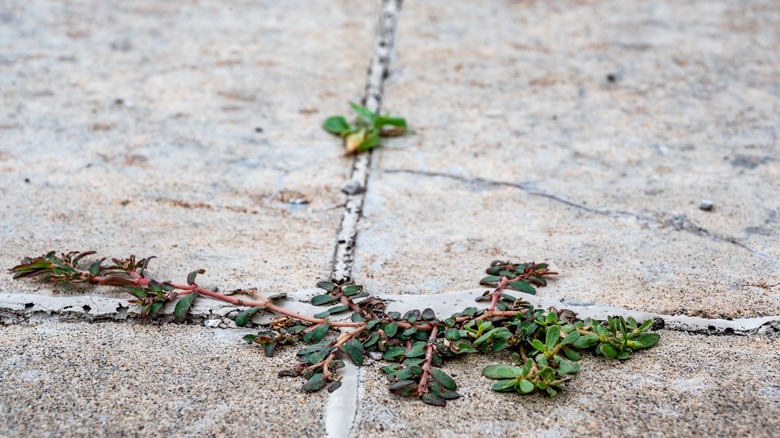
[(139, 280), (422, 388)]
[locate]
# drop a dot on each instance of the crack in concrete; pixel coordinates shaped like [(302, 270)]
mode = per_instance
[(679, 222), (46, 308), (344, 253), (343, 404)]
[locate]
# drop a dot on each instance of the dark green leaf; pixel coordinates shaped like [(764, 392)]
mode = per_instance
[(279, 296), (191, 276), (391, 329), (394, 315), (409, 332), (338, 309), (315, 383), (269, 349), (400, 384), (428, 314), (490, 280), (352, 290), (183, 306), (334, 386), (522, 286), (319, 300), (328, 286), (354, 354), (434, 399), (137, 291), (356, 317), (417, 350), (243, 318), (393, 353), (452, 334), (412, 316), (154, 286), (94, 268), (371, 340), (319, 333), (155, 309), (443, 378)]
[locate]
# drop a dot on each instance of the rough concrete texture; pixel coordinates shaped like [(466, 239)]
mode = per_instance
[(585, 134), (75, 379), (689, 385), (186, 131)]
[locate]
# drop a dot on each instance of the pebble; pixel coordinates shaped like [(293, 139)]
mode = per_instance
[(212, 323), (706, 204), (352, 187)]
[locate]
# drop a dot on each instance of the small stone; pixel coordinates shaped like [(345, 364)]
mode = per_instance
[(212, 323), (706, 205), (375, 355), (352, 187)]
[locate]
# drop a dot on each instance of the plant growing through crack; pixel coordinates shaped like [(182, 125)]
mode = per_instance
[(545, 345), (366, 132)]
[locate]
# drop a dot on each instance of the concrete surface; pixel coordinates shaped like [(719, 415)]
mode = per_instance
[(689, 385), (178, 130), (633, 112), (581, 133), (75, 379)]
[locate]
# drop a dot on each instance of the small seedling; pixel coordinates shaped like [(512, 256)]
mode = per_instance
[(546, 345), (366, 132)]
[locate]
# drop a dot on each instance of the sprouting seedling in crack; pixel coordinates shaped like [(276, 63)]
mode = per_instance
[(546, 345), (366, 131)]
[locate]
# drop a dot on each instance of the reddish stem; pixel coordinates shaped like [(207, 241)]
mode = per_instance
[(422, 388)]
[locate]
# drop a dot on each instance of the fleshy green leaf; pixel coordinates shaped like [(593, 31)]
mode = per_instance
[(391, 329), (502, 371), (490, 280), (504, 385), (336, 125), (645, 340), (320, 300), (315, 383), (352, 290), (525, 386), (328, 286), (319, 333), (243, 318), (191, 276), (183, 306), (445, 380), (553, 334)]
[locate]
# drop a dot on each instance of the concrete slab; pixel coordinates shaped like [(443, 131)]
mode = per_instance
[(585, 134), (687, 385), (111, 379), (189, 132)]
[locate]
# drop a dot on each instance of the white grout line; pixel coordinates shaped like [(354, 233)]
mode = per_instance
[(27, 307), (344, 253)]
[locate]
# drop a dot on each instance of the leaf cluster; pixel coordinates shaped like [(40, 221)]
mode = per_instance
[(545, 345), (367, 129)]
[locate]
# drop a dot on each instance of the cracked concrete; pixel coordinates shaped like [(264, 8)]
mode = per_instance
[(584, 133), (586, 136)]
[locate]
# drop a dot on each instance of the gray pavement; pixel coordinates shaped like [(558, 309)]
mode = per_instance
[(585, 134)]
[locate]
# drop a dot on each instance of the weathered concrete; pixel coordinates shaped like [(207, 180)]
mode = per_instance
[(688, 385), (585, 134), (110, 379), (188, 132)]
